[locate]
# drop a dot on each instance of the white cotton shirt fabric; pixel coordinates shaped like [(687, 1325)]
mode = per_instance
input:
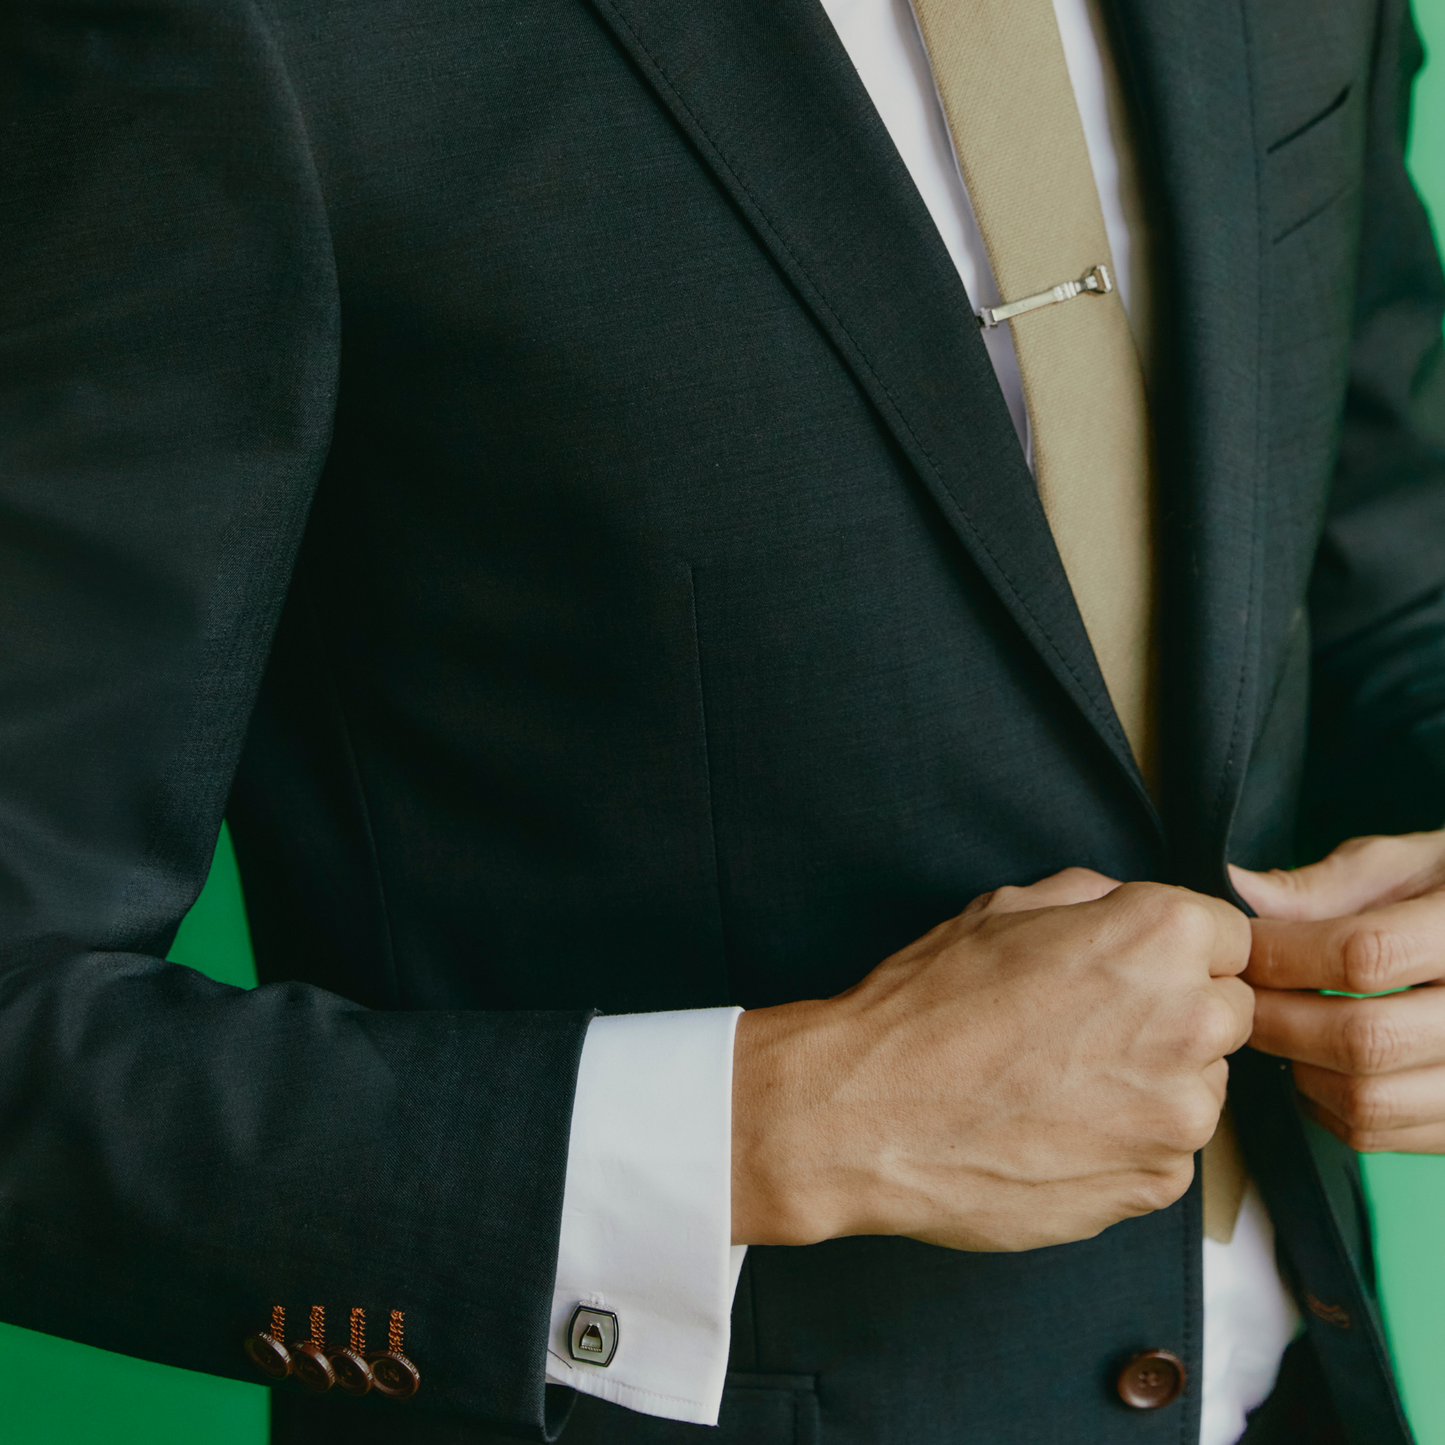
[(647, 1211), (1248, 1321), (646, 1217)]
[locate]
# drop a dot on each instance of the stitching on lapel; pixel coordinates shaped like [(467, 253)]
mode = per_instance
[(1249, 651), (1105, 716)]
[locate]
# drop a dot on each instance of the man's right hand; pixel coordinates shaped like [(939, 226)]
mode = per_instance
[(1028, 1073)]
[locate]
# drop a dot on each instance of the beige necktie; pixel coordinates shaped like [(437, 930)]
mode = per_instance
[(1005, 87), (1000, 69)]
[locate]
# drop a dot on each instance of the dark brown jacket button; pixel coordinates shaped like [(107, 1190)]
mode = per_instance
[(1151, 1380)]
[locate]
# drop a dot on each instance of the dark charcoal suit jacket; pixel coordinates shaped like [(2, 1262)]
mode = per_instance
[(533, 462)]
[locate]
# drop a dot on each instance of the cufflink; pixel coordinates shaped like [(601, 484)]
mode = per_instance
[(592, 1335)]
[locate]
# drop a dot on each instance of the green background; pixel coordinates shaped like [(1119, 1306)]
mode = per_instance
[(60, 1393)]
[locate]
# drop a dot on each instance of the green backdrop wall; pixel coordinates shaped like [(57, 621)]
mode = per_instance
[(65, 1394)]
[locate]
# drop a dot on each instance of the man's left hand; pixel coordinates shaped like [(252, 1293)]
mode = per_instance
[(1369, 918)]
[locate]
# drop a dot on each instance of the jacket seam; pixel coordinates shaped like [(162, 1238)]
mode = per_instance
[(701, 685), (358, 785)]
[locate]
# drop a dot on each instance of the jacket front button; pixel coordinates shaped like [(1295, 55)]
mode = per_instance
[(1151, 1380)]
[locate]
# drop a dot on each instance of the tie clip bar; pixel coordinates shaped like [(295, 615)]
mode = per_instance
[(1096, 280)]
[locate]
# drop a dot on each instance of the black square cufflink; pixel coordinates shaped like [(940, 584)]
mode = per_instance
[(592, 1335)]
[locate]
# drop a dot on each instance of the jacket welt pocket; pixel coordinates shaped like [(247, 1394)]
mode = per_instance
[(768, 1410), (1315, 163)]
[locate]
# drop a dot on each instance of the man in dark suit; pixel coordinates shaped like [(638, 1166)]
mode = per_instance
[(535, 466)]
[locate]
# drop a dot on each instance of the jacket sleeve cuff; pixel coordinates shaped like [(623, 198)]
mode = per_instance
[(647, 1213)]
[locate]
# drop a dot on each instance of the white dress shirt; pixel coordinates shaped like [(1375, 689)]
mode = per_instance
[(646, 1217), (647, 1212)]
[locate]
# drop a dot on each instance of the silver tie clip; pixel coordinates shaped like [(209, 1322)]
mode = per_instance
[(1096, 280)]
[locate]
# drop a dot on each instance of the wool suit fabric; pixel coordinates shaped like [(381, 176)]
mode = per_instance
[(532, 466)]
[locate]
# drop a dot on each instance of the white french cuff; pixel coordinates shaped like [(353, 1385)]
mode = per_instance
[(647, 1216)]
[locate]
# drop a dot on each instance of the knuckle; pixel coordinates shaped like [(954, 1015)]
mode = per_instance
[(1194, 1125), (1163, 1187), (982, 903), (1008, 898), (1367, 843), (1369, 959), (1366, 1105), (1211, 1026), (1287, 879), (1185, 918), (1370, 1042), (1220, 1037)]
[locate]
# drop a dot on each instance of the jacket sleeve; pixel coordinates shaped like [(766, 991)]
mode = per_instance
[(1377, 599), (177, 1156)]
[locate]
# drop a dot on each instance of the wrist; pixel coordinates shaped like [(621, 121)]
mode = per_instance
[(789, 1127)]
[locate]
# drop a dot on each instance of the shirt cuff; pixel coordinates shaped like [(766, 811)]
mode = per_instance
[(647, 1213)]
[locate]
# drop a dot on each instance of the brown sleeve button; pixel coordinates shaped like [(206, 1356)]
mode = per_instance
[(269, 1356), (353, 1374), (309, 1362), (310, 1365), (267, 1349), (1151, 1380), (391, 1372), (395, 1375)]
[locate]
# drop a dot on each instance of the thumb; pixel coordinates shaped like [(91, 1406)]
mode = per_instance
[(1357, 875)]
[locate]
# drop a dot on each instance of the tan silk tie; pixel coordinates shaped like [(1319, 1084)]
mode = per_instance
[(1000, 69), (1005, 87)]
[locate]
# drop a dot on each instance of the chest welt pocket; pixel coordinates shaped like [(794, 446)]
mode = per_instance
[(1316, 163)]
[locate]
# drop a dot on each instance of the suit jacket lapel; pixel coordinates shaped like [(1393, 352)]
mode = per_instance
[(766, 93), (1187, 66)]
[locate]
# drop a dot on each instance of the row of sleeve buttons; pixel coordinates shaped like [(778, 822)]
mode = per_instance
[(319, 1365)]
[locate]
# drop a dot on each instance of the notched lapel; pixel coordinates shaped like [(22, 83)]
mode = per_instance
[(767, 95), (1189, 71)]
